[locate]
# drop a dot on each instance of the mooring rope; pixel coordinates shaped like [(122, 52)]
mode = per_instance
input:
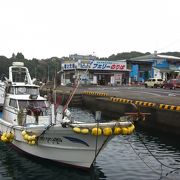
[(71, 95), (153, 154), (76, 85), (161, 163)]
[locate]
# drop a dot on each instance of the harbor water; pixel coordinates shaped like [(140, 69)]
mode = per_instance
[(144, 155)]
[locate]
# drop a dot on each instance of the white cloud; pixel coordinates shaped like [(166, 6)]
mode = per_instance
[(46, 28)]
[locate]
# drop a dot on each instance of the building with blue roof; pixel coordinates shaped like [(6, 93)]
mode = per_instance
[(154, 66)]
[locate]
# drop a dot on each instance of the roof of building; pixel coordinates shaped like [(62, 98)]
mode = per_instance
[(154, 56), (82, 57), (164, 69), (168, 57)]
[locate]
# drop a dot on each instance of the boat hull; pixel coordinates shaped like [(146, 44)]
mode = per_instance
[(59, 144)]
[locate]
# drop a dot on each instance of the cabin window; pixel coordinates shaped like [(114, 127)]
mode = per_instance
[(31, 104), (19, 74), (21, 90), (32, 90), (27, 90), (13, 103)]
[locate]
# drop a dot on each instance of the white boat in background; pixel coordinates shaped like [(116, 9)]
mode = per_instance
[(33, 125), (2, 93)]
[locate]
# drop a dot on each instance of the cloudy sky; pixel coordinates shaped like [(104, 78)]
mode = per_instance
[(46, 28)]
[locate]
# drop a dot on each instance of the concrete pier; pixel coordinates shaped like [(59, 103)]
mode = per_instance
[(115, 102)]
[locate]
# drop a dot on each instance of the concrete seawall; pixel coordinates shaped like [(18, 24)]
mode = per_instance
[(160, 119), (164, 117)]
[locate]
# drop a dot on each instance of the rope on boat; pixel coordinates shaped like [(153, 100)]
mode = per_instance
[(71, 95), (76, 85), (47, 128)]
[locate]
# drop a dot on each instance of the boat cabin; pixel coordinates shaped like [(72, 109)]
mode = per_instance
[(23, 103)]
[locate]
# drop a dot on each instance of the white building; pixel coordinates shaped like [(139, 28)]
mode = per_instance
[(95, 72)]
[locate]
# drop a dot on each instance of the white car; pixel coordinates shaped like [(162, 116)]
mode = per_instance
[(154, 82)]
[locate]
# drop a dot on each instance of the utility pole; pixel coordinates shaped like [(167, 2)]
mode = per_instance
[(35, 73), (48, 73)]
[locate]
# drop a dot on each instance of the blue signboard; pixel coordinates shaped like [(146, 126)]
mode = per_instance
[(69, 66)]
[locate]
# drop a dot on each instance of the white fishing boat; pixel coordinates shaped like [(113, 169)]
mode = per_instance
[(2, 92), (32, 125)]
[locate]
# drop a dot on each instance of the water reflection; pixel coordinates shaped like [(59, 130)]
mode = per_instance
[(15, 166), (145, 155)]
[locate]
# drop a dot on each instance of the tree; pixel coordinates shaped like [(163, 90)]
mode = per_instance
[(13, 56), (20, 56)]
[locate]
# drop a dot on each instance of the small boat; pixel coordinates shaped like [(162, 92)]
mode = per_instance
[(33, 125)]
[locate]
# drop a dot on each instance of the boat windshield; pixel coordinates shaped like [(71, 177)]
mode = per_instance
[(29, 104), (19, 74), (27, 90)]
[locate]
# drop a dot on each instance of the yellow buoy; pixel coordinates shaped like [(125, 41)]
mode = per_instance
[(33, 142), (124, 131), (2, 138), (29, 142), (23, 133), (133, 127), (96, 131), (107, 131), (29, 138), (12, 135), (8, 135), (5, 139), (129, 130), (84, 131), (33, 137), (76, 129), (117, 130), (26, 137)]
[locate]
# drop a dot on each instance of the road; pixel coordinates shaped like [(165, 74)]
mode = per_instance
[(157, 95)]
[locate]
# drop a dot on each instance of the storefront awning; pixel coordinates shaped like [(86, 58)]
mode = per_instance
[(163, 70)]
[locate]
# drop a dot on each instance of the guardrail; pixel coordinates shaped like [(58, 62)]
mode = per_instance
[(146, 104), (170, 107), (92, 93)]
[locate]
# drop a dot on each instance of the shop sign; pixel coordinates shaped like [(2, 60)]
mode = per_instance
[(96, 65), (108, 65), (84, 64), (68, 66)]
